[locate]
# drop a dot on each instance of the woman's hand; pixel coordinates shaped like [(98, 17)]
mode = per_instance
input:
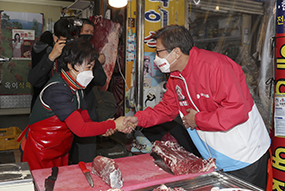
[(119, 124), (109, 132)]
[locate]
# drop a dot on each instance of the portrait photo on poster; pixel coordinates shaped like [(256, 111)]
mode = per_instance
[(22, 43)]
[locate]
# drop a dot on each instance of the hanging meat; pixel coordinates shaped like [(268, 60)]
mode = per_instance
[(181, 161), (106, 40), (108, 170)]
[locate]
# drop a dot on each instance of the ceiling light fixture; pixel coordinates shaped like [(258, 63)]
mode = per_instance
[(196, 2), (118, 3)]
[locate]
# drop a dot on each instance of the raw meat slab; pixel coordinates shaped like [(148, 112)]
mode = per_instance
[(108, 170), (179, 160)]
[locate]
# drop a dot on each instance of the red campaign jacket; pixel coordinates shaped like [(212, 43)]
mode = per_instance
[(214, 86), (223, 101)]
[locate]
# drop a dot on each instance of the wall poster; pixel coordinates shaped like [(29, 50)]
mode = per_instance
[(22, 42), (18, 32), (157, 15)]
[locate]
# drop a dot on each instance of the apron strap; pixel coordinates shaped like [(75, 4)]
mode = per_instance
[(22, 134)]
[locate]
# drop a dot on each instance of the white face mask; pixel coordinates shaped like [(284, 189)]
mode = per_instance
[(163, 64), (84, 78)]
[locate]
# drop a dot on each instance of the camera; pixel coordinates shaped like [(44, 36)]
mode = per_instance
[(77, 23), (68, 40)]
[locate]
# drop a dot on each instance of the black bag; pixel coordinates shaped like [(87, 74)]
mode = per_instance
[(105, 104)]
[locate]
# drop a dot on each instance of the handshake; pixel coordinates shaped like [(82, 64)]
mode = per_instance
[(124, 125)]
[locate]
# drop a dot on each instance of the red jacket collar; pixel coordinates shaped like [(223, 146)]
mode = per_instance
[(193, 53)]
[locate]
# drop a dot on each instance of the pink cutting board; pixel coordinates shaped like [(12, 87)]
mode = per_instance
[(137, 171)]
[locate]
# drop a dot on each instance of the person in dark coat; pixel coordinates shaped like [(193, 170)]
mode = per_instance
[(47, 65), (40, 48)]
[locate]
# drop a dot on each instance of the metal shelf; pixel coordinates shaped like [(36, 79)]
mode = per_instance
[(216, 39), (80, 4), (14, 111)]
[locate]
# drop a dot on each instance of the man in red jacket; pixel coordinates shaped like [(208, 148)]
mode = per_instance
[(209, 91)]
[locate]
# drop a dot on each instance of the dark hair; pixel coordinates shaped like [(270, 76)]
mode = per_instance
[(84, 22), (77, 51), (17, 34), (47, 38), (173, 36), (64, 28), (87, 22)]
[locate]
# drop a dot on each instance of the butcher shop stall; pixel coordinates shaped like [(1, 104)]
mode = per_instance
[(162, 157)]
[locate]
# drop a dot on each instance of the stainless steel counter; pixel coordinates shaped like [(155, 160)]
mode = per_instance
[(16, 176), (207, 181)]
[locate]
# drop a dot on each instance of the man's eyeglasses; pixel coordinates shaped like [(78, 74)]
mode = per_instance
[(157, 51)]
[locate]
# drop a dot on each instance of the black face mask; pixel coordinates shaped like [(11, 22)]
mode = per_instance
[(86, 36)]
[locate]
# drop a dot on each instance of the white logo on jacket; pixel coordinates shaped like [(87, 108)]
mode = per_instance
[(202, 94), (181, 98)]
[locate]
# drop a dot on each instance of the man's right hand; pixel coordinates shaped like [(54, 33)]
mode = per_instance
[(130, 120), (125, 128), (57, 50)]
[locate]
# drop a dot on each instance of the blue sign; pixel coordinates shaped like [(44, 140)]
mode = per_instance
[(280, 17)]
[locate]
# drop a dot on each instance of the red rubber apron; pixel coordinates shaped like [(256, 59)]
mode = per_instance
[(47, 144)]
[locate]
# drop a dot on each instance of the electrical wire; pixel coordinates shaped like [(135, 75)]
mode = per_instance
[(120, 70)]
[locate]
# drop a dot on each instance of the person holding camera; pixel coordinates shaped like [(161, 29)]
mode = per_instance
[(48, 66)]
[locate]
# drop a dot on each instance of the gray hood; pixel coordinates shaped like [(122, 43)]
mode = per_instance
[(40, 46)]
